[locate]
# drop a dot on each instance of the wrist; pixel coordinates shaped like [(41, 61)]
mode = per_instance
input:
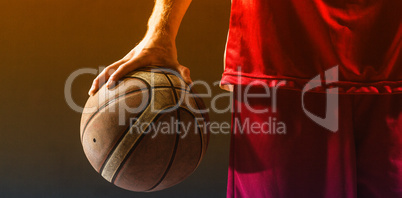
[(160, 37), (161, 31)]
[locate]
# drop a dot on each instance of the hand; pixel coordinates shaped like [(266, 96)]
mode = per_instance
[(152, 50)]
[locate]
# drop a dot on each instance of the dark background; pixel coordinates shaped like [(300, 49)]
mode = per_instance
[(41, 43)]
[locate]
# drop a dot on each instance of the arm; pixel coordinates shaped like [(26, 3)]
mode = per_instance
[(158, 47)]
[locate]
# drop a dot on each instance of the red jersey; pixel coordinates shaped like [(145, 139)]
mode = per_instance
[(295, 40)]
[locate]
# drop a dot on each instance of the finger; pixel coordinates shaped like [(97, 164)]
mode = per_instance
[(94, 87), (104, 76), (185, 74), (101, 79), (122, 71), (96, 83)]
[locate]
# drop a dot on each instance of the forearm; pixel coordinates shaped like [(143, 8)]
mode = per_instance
[(166, 18)]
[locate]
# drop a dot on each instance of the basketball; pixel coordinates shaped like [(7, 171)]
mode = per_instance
[(147, 133)]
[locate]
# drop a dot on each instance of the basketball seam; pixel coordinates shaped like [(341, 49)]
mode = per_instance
[(158, 87), (126, 158), (115, 145), (105, 105), (172, 157), (133, 148), (176, 140), (111, 102), (200, 133), (118, 97), (128, 129), (142, 135), (161, 70)]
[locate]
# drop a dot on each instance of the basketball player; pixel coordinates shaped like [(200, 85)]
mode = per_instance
[(353, 46)]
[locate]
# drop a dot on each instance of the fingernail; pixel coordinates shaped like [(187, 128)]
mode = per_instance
[(91, 90), (110, 84)]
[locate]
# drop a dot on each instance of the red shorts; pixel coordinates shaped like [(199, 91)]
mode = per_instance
[(285, 154)]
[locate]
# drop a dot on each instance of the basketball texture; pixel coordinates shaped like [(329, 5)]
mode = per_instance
[(147, 133)]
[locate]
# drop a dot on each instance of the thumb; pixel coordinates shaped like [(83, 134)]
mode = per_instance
[(185, 74)]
